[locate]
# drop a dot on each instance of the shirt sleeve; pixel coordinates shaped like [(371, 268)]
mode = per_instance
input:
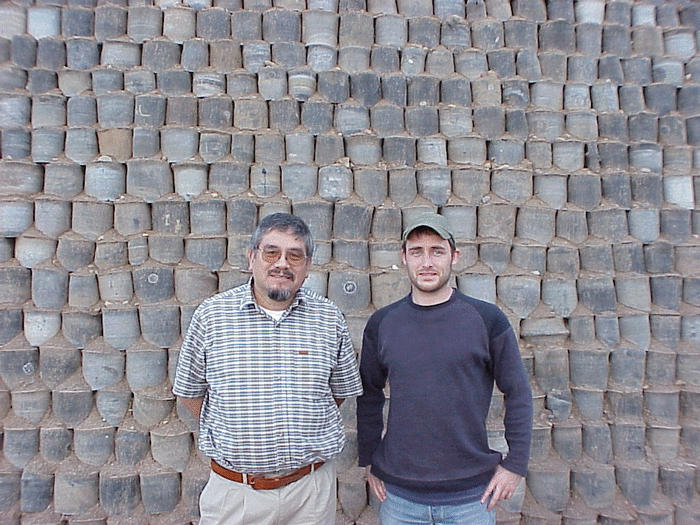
[(512, 380), (345, 377), (370, 404), (190, 377)]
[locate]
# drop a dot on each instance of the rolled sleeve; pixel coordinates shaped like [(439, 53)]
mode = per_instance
[(190, 377)]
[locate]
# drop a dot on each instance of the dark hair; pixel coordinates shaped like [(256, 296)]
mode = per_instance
[(284, 222), (427, 229)]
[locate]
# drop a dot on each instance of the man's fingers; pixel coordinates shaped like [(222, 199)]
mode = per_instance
[(501, 493), (381, 490), (378, 489), (494, 498), (487, 492), (502, 486), (376, 485)]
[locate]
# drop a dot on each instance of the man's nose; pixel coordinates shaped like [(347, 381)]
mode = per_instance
[(282, 262), (426, 259)]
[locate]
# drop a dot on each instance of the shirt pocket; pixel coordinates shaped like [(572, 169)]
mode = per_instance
[(312, 372)]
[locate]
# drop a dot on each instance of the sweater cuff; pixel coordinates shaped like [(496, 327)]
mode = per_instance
[(515, 466)]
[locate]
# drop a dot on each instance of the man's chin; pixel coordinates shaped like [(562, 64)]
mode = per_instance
[(279, 294), (427, 289), (429, 286)]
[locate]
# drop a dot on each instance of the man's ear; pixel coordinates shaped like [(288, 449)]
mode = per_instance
[(251, 256), (455, 256)]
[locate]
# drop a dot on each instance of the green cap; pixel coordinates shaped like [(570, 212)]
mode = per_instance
[(435, 222)]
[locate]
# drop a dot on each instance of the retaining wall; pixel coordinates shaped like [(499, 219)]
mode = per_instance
[(141, 143)]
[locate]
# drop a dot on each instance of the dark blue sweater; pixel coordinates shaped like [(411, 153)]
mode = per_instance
[(441, 362)]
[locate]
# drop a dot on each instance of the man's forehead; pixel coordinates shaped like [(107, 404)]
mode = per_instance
[(276, 237), (426, 237)]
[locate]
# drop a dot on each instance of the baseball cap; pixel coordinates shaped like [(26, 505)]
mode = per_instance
[(434, 221)]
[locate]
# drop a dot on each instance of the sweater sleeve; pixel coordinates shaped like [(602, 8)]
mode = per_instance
[(512, 380), (370, 404)]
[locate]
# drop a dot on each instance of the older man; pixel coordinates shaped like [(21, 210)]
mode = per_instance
[(441, 352), (264, 367)]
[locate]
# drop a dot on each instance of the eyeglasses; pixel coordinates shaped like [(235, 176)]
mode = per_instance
[(272, 255)]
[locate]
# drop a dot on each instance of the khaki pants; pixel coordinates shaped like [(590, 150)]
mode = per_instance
[(308, 501)]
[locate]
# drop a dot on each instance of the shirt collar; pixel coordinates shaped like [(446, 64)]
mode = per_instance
[(248, 298)]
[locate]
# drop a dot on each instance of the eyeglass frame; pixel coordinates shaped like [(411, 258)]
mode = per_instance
[(279, 253)]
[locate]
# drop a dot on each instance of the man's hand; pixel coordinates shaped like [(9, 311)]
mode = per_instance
[(501, 487), (376, 484)]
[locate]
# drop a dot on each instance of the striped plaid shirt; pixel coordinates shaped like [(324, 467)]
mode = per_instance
[(268, 386)]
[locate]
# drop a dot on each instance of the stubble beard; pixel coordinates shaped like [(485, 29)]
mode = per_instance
[(431, 287)]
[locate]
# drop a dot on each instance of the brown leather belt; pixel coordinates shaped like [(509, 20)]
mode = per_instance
[(260, 482)]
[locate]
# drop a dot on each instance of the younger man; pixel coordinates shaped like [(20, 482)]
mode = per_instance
[(441, 352)]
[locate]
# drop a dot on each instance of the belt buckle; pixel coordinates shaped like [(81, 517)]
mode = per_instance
[(253, 479)]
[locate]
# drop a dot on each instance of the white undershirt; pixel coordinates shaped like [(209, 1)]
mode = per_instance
[(275, 314)]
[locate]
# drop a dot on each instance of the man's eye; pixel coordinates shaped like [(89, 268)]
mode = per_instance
[(295, 257)]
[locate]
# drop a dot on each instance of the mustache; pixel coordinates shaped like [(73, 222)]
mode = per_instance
[(283, 273)]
